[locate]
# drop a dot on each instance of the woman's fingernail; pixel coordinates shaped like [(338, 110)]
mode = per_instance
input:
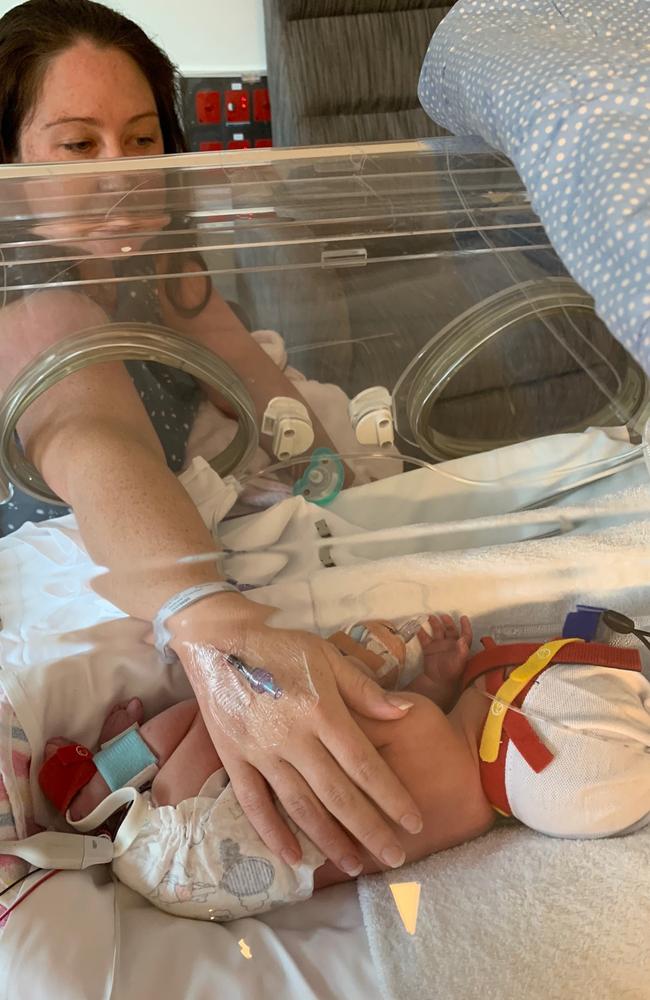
[(397, 701), (351, 866), (412, 823), (291, 858), (393, 857)]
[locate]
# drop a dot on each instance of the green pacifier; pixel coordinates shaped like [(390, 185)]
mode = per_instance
[(323, 479)]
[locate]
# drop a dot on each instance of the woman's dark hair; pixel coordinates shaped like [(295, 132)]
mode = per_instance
[(34, 32)]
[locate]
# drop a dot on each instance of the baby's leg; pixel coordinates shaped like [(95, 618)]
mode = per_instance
[(189, 765), (438, 764), (184, 761)]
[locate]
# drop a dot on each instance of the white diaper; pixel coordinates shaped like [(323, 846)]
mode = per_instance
[(202, 858)]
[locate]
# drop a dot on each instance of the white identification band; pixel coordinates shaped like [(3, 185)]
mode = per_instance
[(177, 603)]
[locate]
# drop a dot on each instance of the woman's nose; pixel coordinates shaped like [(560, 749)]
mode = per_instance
[(113, 147)]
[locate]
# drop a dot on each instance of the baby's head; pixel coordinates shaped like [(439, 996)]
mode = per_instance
[(596, 722)]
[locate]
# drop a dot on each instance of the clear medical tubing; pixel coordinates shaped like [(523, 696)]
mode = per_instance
[(430, 370), (119, 342)]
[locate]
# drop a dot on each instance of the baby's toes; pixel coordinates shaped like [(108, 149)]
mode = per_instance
[(53, 745), (121, 718)]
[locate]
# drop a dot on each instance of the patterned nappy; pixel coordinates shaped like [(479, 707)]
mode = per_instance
[(203, 859)]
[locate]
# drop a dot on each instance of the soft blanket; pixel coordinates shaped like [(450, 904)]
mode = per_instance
[(563, 88)]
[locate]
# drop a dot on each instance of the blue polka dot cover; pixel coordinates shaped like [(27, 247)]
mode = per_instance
[(563, 89)]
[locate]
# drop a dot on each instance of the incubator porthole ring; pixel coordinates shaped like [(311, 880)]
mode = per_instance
[(423, 381), (121, 342)]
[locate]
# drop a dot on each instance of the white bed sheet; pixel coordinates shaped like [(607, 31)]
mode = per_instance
[(60, 945), (59, 636)]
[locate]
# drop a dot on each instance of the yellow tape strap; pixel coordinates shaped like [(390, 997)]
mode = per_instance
[(519, 678)]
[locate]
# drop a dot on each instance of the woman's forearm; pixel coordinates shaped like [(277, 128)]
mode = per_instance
[(141, 527), (217, 328), (94, 445), (92, 441)]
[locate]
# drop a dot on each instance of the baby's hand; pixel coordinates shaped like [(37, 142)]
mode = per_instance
[(445, 652)]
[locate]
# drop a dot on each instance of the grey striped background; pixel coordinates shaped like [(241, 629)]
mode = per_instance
[(347, 70)]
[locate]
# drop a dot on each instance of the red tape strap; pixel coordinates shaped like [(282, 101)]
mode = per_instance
[(65, 773)]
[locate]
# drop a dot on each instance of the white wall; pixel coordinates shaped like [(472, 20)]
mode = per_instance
[(201, 36)]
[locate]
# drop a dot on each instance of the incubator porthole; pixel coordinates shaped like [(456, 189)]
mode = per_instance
[(531, 361), (120, 342)]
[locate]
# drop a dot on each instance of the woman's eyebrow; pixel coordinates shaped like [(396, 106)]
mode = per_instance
[(144, 114), (94, 121)]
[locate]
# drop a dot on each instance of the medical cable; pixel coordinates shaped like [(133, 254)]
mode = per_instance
[(562, 519), (32, 888), (504, 706), (602, 467), (15, 883), (620, 623)]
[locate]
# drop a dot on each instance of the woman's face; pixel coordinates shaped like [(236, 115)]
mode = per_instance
[(94, 103)]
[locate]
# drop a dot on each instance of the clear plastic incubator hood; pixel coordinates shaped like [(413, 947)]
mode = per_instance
[(413, 278), (391, 406)]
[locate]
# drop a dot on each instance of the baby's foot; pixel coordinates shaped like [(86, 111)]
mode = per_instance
[(118, 720), (445, 652)]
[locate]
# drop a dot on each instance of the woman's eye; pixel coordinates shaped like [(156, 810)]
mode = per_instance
[(145, 140), (82, 146)]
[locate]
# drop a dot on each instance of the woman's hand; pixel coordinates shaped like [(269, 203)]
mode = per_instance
[(304, 747)]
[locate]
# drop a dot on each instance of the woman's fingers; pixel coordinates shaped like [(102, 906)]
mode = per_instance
[(363, 695), (353, 752), (343, 799), (330, 779), (309, 814), (257, 802)]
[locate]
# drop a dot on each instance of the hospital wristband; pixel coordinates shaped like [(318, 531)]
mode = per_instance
[(179, 602)]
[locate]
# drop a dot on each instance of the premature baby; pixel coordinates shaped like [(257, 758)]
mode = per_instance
[(553, 735)]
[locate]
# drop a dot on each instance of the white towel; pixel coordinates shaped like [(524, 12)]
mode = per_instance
[(518, 916), (515, 915)]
